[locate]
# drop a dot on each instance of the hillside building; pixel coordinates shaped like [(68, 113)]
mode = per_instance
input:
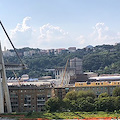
[(8, 53), (72, 49)]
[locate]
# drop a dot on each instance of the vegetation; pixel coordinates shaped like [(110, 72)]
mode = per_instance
[(100, 59), (53, 104), (73, 115), (85, 101), (116, 92), (63, 115)]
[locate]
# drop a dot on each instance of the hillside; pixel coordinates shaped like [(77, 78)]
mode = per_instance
[(101, 59)]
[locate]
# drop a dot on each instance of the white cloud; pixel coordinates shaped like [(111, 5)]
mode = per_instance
[(100, 32), (80, 40), (103, 35), (52, 36), (49, 36), (100, 35), (22, 33)]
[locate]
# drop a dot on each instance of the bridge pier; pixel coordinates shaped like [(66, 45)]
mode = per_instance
[(4, 91)]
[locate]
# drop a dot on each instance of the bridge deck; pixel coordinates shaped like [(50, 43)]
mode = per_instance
[(13, 67)]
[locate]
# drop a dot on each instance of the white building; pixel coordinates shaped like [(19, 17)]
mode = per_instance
[(8, 53), (72, 49)]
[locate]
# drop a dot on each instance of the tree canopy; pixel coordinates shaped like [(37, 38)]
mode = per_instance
[(116, 92), (84, 101)]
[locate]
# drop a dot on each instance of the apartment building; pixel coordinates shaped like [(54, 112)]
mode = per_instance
[(98, 87), (29, 97)]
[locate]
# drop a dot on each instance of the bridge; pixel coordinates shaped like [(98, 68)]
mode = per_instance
[(4, 91), (14, 67)]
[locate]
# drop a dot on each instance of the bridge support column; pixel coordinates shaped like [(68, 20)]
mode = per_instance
[(5, 91), (1, 96)]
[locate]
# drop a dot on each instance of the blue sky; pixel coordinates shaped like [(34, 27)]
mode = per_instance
[(49, 24)]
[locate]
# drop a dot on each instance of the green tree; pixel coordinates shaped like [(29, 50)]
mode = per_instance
[(70, 105), (73, 106), (66, 104), (85, 94), (85, 104), (72, 95), (103, 95), (116, 92), (117, 103), (90, 99), (53, 104), (105, 104)]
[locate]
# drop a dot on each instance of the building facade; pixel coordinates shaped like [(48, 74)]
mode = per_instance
[(60, 72), (29, 97), (98, 87)]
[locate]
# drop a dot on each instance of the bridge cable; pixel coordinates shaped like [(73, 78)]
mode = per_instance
[(13, 46)]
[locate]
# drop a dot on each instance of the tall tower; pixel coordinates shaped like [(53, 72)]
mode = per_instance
[(4, 92), (77, 64)]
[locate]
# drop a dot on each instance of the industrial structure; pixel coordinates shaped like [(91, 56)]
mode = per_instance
[(75, 68)]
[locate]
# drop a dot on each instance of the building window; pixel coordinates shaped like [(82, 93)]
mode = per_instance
[(56, 72), (105, 88)]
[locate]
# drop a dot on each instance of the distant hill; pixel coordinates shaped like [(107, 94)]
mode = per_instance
[(101, 59)]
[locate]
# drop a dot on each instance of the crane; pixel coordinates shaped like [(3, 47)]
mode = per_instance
[(64, 72)]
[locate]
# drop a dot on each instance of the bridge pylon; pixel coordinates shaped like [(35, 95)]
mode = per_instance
[(4, 91)]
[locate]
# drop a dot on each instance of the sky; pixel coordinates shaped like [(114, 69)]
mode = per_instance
[(48, 24)]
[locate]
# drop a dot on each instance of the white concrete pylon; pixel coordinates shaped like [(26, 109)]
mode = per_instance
[(4, 83), (1, 96)]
